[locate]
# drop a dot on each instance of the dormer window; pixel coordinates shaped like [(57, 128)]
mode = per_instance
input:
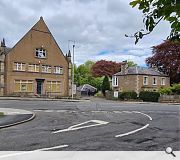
[(40, 53)]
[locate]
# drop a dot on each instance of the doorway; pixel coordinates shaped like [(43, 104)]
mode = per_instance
[(39, 86)]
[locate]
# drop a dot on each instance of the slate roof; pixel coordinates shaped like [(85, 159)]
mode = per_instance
[(6, 50), (141, 71), (86, 87)]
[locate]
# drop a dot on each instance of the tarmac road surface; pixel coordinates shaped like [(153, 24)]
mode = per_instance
[(96, 125)]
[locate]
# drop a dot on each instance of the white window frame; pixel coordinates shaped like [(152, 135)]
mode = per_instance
[(58, 70), (154, 78), (35, 67), (56, 83), (115, 81), (23, 81), (163, 81), (40, 53), (46, 68), (19, 66), (145, 83)]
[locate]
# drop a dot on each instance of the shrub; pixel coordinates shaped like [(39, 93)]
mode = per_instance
[(166, 91), (128, 95), (149, 96), (176, 88), (105, 85), (98, 94)]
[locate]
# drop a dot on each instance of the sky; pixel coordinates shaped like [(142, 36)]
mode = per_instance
[(98, 27)]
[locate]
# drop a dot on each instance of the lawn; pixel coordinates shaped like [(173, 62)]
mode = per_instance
[(1, 114)]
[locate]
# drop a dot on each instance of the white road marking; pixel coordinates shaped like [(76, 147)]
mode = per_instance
[(61, 111), (117, 111), (48, 111), (75, 127), (28, 152), (143, 114), (131, 132), (126, 111), (56, 147)]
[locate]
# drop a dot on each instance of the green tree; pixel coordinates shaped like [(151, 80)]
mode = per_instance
[(83, 75), (131, 64), (155, 11), (105, 85)]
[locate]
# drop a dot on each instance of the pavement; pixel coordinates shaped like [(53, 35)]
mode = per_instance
[(82, 99), (45, 99), (14, 116)]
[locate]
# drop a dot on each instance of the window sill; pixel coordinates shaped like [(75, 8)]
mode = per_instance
[(45, 72), (57, 73), (18, 71)]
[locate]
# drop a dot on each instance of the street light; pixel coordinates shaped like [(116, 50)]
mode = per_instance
[(72, 65)]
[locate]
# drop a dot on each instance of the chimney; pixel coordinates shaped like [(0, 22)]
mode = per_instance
[(124, 66), (154, 67)]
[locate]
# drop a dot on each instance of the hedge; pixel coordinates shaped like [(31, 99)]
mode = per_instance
[(128, 95), (149, 96)]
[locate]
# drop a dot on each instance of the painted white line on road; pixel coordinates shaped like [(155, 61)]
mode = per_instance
[(143, 114), (28, 152), (126, 111), (62, 111), (49, 111), (78, 126), (117, 111), (131, 132), (51, 148)]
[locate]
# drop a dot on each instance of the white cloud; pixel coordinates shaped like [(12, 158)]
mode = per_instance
[(95, 25)]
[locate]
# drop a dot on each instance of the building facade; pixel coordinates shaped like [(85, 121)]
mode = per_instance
[(139, 79), (35, 65)]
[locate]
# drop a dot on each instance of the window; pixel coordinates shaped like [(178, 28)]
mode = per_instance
[(114, 81), (19, 66), (53, 86), (33, 68), (58, 70), (46, 69), (163, 81), (145, 80), (154, 81), (23, 86), (40, 53)]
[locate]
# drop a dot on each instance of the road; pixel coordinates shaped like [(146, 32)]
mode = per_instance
[(93, 125)]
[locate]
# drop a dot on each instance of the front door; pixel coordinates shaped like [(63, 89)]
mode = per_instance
[(39, 86)]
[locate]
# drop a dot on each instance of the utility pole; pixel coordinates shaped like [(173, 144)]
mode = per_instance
[(73, 87), (72, 67)]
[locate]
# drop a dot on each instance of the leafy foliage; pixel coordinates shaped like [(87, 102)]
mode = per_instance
[(166, 91), (166, 57), (105, 85), (105, 68), (131, 64), (176, 88), (156, 10), (149, 96), (83, 75), (128, 95)]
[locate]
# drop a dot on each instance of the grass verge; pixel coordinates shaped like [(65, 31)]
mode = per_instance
[(1, 114)]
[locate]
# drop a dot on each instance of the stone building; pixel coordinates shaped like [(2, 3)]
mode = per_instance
[(139, 79), (35, 65)]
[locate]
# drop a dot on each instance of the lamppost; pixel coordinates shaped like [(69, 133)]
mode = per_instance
[(73, 87)]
